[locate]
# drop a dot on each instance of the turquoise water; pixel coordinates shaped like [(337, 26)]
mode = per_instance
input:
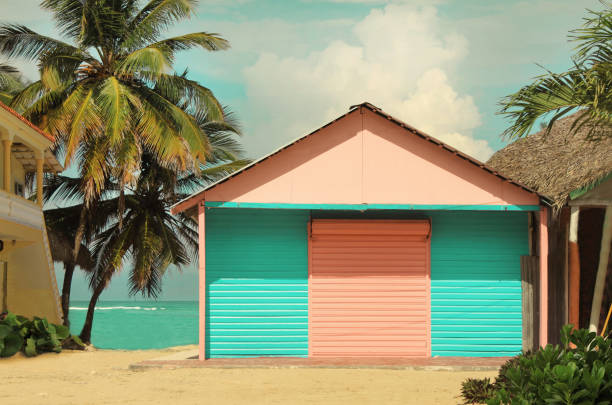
[(135, 325)]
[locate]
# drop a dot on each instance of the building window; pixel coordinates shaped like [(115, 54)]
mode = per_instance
[(19, 189)]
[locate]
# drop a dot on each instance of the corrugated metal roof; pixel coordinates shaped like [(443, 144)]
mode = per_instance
[(194, 198)]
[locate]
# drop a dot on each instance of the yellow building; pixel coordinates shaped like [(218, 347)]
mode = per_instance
[(27, 278)]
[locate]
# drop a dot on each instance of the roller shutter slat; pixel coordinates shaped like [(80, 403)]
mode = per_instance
[(369, 288)]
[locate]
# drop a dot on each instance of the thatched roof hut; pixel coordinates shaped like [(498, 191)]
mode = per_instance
[(574, 171), (558, 162)]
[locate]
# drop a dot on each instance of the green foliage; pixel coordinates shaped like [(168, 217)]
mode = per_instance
[(111, 92), (110, 95), (502, 377), (73, 342), (577, 372), (477, 390), (10, 341), (11, 83), (32, 336), (586, 87)]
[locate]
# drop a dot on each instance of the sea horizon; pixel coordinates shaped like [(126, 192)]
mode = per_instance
[(138, 324)]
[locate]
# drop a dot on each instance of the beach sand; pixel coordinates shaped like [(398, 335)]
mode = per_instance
[(104, 377)]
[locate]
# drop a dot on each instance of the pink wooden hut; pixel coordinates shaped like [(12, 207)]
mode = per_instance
[(366, 237)]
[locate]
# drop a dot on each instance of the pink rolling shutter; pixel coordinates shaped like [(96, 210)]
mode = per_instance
[(369, 288)]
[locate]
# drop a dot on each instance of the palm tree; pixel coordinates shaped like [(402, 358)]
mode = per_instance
[(10, 82), (61, 227), (62, 224), (65, 191), (157, 188), (145, 237), (587, 87), (109, 93)]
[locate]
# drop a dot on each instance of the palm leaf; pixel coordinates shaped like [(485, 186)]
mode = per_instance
[(113, 100), (18, 41), (587, 87), (204, 40), (153, 18), (193, 96), (148, 63)]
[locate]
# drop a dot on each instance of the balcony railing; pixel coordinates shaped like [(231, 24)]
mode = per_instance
[(17, 209)]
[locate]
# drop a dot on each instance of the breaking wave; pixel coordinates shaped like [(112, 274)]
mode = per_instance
[(119, 307)]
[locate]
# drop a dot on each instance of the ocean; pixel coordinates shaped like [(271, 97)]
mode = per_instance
[(133, 325)]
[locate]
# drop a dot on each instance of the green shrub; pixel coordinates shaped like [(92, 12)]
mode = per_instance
[(477, 390), (32, 336), (10, 341), (558, 374), (502, 380)]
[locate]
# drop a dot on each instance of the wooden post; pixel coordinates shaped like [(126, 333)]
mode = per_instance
[(202, 280), (6, 163), (574, 269), (602, 269), (543, 276), (529, 284), (39, 178), (4, 268)]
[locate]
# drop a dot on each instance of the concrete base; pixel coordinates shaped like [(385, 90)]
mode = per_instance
[(188, 359)]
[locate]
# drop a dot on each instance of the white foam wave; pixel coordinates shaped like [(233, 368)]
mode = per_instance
[(119, 307)]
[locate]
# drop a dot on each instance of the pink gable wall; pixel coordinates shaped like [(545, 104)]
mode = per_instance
[(365, 159)]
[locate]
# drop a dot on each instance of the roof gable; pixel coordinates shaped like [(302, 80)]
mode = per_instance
[(366, 157)]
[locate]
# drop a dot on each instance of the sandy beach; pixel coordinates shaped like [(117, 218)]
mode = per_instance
[(104, 377)]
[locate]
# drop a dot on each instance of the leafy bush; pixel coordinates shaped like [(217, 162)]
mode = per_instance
[(502, 380), (557, 374), (477, 390), (32, 336), (10, 341)]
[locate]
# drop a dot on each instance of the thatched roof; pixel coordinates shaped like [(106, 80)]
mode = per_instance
[(61, 251), (557, 163)]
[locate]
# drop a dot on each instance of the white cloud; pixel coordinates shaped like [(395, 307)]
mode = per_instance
[(397, 59), (299, 75)]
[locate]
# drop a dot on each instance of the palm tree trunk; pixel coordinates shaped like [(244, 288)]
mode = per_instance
[(78, 237), (86, 331), (68, 273)]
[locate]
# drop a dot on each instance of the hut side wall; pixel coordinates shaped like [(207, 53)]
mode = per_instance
[(257, 283), (476, 282)]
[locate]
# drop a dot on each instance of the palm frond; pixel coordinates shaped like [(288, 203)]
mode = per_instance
[(84, 118), (147, 63), (192, 142), (18, 41), (157, 15), (589, 90), (10, 82), (204, 40), (587, 87), (192, 96), (69, 15), (114, 103), (594, 38)]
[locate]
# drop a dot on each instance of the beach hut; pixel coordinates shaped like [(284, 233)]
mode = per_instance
[(366, 237), (575, 172)]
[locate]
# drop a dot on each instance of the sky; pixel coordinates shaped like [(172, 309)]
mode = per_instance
[(294, 65)]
